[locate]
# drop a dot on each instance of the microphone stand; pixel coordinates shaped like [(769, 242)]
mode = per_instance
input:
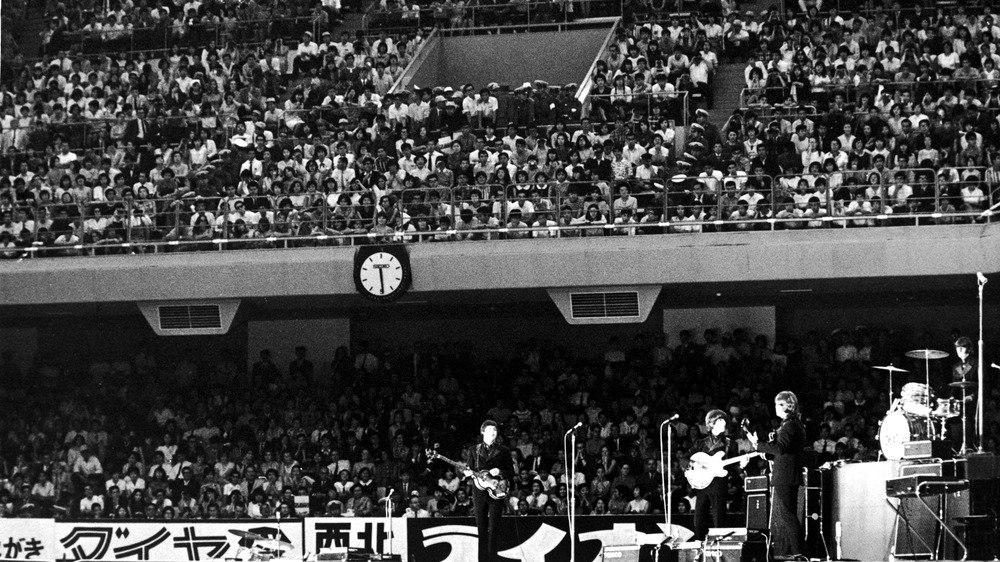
[(570, 488), (388, 517), (979, 401), (277, 515), (666, 474)]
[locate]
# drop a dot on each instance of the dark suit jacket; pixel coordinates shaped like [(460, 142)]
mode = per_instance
[(787, 452), (497, 456)]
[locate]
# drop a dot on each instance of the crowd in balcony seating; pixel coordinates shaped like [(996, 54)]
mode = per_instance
[(122, 26), (112, 445), (233, 140), (871, 116)]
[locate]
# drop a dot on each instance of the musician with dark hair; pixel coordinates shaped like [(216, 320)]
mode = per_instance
[(711, 500), (964, 375), (494, 459), (785, 447), (965, 369)]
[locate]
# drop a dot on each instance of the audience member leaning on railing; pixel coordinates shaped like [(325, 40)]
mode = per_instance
[(344, 434)]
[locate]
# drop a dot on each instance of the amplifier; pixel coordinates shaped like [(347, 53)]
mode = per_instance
[(756, 483), (936, 449), (928, 469), (757, 512), (623, 553), (747, 548), (983, 466), (906, 487)]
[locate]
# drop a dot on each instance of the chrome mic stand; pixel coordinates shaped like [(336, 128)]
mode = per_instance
[(979, 400)]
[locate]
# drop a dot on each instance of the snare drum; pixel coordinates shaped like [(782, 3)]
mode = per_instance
[(898, 428), (947, 408), (916, 399)]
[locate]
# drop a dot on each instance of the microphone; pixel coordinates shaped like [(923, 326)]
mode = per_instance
[(673, 418), (391, 492), (981, 277), (994, 365), (575, 427)]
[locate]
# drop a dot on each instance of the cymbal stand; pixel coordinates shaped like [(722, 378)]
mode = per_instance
[(927, 372), (890, 387), (965, 425)]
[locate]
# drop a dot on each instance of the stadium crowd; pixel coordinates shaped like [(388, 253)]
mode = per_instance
[(120, 442), (870, 112), (851, 118), (306, 141)]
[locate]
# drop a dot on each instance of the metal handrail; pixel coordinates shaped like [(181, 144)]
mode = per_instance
[(170, 213), (588, 81), (513, 11), (418, 58)]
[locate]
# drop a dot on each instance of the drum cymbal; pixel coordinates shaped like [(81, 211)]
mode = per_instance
[(890, 368), (247, 535), (962, 384), (926, 354)]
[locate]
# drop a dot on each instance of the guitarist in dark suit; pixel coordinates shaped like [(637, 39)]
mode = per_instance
[(711, 501), (494, 458), (786, 476)]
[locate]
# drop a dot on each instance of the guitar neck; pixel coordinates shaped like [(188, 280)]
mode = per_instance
[(740, 458), (456, 464)]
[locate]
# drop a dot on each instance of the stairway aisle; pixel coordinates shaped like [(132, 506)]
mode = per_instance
[(727, 85), (29, 33), (729, 80)]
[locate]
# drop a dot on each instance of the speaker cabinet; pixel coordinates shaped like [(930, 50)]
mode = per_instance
[(757, 512)]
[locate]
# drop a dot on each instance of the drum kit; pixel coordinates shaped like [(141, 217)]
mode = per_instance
[(918, 414), (261, 548)]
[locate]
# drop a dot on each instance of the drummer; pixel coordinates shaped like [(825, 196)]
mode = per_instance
[(965, 369)]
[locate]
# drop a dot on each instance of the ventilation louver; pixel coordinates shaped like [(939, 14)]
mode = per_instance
[(622, 304), (190, 317)]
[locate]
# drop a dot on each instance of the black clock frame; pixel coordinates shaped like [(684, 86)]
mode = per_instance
[(399, 252)]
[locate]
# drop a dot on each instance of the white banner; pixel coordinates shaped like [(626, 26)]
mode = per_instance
[(173, 540), (27, 539), (356, 532)]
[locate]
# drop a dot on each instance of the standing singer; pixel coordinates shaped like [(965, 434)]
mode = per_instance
[(491, 457), (786, 476), (711, 501)]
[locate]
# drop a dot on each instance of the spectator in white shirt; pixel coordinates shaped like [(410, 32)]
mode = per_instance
[(89, 500), (87, 464)]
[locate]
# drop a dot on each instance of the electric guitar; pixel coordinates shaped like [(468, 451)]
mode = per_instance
[(495, 487), (704, 467)]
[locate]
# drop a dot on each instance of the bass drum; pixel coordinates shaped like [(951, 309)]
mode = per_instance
[(898, 428)]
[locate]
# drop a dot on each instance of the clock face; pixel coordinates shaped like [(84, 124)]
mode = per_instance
[(381, 274)]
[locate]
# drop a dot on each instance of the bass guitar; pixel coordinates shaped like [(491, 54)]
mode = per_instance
[(495, 487)]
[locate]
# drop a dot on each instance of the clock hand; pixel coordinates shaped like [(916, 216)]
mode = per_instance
[(381, 279)]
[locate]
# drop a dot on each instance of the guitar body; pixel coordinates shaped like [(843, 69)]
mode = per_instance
[(495, 488), (704, 468)]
